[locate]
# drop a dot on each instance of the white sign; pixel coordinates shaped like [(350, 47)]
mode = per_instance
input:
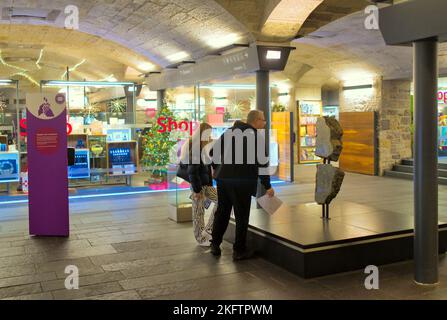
[(46, 106)]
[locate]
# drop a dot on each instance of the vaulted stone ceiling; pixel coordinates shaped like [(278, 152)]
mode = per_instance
[(164, 31), (346, 50), (126, 38), (330, 10), (37, 53), (120, 37), (283, 20)]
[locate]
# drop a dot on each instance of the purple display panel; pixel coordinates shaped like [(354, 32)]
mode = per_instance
[(47, 165)]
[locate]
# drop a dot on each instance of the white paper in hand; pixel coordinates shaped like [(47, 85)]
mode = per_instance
[(270, 204)]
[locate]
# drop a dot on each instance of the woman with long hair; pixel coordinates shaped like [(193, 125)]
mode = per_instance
[(201, 180)]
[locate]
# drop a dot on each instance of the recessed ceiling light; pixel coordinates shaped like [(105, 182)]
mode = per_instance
[(146, 66), (223, 41), (273, 54), (177, 56)]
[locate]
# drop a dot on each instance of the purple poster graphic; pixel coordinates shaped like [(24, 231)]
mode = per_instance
[(47, 165)]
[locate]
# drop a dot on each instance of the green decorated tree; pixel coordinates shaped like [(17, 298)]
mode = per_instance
[(157, 146)]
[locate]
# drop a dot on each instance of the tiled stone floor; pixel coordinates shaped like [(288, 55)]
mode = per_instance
[(126, 248)]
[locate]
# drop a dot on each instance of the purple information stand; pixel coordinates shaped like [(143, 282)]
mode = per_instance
[(47, 165)]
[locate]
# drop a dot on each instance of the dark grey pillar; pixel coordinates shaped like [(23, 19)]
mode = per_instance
[(160, 98), (426, 161), (263, 104), (130, 108)]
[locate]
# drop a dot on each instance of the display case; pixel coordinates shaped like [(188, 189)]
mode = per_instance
[(9, 166), (81, 167), (3, 143), (122, 158), (180, 204), (97, 145), (308, 114), (77, 141), (117, 135)]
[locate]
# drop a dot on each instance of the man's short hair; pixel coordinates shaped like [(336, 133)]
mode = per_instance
[(253, 115)]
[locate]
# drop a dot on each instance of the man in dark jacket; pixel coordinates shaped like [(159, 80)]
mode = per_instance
[(238, 153)]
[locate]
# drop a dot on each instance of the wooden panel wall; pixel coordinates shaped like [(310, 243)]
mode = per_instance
[(281, 123), (359, 147)]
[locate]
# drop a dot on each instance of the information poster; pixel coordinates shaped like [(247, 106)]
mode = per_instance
[(47, 165)]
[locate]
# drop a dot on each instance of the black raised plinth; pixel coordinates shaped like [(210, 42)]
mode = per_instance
[(297, 239)]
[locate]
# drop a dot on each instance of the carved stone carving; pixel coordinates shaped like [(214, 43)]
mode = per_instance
[(329, 138), (329, 180)]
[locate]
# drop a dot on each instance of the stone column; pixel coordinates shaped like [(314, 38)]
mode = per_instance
[(160, 98), (263, 104), (426, 161)]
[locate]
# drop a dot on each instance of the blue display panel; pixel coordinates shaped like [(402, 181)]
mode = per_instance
[(9, 167), (117, 135), (81, 168), (121, 161), (120, 155)]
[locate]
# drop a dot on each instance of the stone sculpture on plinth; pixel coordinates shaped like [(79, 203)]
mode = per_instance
[(328, 146)]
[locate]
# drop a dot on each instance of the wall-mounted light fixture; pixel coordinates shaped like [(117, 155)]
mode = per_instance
[(6, 82), (364, 86), (273, 58), (273, 55)]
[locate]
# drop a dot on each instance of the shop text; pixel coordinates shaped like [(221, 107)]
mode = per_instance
[(169, 124)]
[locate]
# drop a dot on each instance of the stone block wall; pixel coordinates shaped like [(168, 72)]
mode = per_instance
[(361, 100), (394, 127), (391, 100)]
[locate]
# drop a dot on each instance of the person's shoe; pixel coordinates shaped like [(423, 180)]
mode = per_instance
[(242, 255), (215, 250)]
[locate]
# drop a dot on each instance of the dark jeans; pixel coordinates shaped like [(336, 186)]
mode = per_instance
[(232, 195)]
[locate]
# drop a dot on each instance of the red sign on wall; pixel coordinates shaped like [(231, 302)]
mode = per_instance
[(220, 110)]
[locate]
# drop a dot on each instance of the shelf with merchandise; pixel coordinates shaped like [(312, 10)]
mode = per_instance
[(308, 113)]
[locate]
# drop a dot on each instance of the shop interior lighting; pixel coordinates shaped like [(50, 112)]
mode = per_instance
[(27, 76), (73, 68), (232, 86), (103, 195), (6, 82), (38, 60), (3, 62), (61, 83), (273, 54)]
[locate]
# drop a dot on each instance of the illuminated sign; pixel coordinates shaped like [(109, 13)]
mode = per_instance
[(442, 96), (171, 125)]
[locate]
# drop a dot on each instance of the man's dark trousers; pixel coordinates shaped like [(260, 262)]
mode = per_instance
[(237, 195)]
